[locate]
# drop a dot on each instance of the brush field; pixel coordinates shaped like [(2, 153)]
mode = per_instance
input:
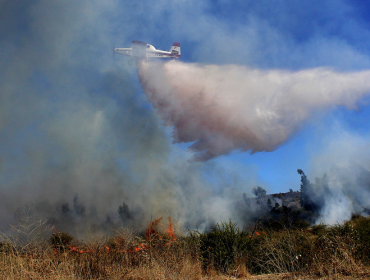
[(226, 252)]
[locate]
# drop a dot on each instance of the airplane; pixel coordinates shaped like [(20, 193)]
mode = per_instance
[(143, 50)]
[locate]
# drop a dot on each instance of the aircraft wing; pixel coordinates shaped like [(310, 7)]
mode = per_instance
[(139, 49)]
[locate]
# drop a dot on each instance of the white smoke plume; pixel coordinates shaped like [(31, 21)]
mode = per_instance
[(340, 174), (229, 107), (79, 142)]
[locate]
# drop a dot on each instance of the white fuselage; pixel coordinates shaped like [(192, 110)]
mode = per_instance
[(147, 51)]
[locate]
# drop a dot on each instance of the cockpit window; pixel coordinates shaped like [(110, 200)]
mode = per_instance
[(147, 46)]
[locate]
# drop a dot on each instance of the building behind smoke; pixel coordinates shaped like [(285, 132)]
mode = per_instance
[(331, 199), (289, 199)]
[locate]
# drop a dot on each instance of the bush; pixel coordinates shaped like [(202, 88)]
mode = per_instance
[(361, 226), (319, 229), (223, 246), (279, 251), (61, 240), (335, 250), (5, 248)]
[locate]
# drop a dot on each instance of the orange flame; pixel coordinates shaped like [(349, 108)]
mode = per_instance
[(80, 251), (150, 235), (170, 231), (254, 233), (135, 249)]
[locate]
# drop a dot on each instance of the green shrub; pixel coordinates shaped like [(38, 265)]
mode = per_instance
[(361, 226), (5, 248), (335, 251), (279, 251), (61, 240), (223, 246), (319, 229), (300, 224)]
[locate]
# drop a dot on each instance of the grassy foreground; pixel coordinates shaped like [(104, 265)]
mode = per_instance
[(339, 252)]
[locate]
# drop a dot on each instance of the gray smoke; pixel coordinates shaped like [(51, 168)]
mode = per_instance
[(226, 108), (79, 142), (342, 177)]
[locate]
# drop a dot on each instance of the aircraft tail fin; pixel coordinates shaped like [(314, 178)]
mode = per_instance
[(175, 49)]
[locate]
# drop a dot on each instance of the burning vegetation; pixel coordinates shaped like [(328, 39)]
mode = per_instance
[(224, 251), (61, 241), (281, 240)]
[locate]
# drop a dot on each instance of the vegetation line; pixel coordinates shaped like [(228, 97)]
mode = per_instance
[(225, 251)]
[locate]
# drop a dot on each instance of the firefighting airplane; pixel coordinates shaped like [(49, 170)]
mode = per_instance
[(143, 50)]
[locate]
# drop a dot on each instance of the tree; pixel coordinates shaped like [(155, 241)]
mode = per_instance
[(259, 192), (269, 204), (306, 189), (124, 213)]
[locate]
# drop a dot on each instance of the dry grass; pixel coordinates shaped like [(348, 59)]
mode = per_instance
[(299, 254), (283, 254), (123, 256), (336, 255), (158, 263)]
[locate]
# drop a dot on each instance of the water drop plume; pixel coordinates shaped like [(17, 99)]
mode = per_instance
[(221, 108)]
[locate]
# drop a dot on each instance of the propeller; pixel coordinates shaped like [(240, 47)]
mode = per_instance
[(114, 47), (112, 43)]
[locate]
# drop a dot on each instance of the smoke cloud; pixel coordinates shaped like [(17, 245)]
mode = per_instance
[(224, 108), (79, 143), (341, 173)]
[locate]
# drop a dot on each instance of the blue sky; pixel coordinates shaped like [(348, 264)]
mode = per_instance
[(290, 35), (75, 120)]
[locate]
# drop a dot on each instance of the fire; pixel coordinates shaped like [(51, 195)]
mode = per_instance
[(137, 249), (170, 231), (80, 251), (150, 234), (255, 232)]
